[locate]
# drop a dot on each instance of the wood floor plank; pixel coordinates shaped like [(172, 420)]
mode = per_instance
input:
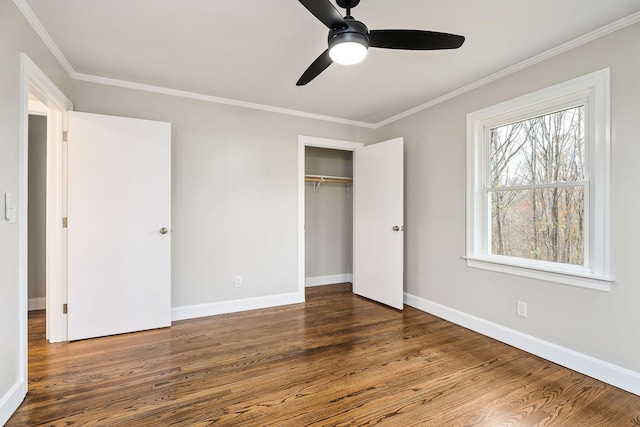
[(336, 360)]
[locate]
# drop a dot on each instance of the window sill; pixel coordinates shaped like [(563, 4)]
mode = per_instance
[(589, 281)]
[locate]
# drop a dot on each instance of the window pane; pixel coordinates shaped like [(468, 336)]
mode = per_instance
[(540, 150), (542, 224)]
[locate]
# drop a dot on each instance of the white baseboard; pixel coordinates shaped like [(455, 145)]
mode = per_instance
[(37, 303), (223, 307), (609, 373), (328, 280), (11, 400)]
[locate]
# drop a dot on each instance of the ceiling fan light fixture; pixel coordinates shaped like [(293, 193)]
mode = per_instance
[(349, 39), (348, 48)]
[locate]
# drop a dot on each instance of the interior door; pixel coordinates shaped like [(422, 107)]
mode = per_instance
[(378, 243), (119, 222)]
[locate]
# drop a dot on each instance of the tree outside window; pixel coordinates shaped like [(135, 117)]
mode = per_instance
[(537, 188)]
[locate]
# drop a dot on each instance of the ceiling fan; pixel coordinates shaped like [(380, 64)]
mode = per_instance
[(349, 39)]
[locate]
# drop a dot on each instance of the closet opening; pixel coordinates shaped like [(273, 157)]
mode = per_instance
[(325, 188), (328, 216), (370, 250)]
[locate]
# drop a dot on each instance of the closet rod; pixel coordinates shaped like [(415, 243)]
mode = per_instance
[(318, 180), (331, 179)]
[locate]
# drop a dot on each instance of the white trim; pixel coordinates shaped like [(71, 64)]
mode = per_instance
[(609, 373), (328, 280), (586, 38), (591, 90), (233, 306), (57, 53), (311, 141), (56, 209), (34, 81), (23, 249), (39, 303), (218, 100), (533, 272), (37, 26), (37, 108), (335, 144), (12, 400)]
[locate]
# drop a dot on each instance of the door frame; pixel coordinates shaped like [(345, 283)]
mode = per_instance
[(303, 142), (33, 80)]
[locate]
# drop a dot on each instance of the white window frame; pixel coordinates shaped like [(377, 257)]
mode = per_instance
[(592, 91)]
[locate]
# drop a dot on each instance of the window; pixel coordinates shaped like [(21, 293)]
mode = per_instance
[(538, 184)]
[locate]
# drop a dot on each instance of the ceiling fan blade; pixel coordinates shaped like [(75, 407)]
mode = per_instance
[(325, 12), (414, 40), (319, 65)]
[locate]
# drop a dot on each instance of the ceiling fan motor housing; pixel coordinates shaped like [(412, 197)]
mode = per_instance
[(347, 3), (355, 31)]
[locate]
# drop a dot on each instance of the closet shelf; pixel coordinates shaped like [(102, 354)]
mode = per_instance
[(318, 180)]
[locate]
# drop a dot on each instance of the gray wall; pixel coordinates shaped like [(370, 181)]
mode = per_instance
[(234, 195), (602, 325), (37, 205), (328, 214), (15, 36)]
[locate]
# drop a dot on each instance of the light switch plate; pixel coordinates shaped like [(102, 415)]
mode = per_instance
[(9, 208)]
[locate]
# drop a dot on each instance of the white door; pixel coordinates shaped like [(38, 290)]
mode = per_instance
[(119, 222), (378, 230)]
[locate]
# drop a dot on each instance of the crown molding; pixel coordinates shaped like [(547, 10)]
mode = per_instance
[(37, 26), (216, 99), (48, 41), (593, 35)]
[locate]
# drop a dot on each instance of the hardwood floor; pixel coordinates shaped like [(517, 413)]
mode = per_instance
[(337, 360)]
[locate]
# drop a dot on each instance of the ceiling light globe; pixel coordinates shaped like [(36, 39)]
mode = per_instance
[(348, 52)]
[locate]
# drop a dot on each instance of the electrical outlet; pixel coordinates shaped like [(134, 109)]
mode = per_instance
[(238, 281), (521, 309)]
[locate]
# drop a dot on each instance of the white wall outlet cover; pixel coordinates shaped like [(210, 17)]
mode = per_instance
[(521, 309)]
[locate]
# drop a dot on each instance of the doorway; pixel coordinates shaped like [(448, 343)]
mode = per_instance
[(378, 217), (36, 189), (131, 134), (50, 101), (305, 142)]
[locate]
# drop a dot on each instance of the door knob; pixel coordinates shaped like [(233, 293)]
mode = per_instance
[(164, 230), (396, 228)]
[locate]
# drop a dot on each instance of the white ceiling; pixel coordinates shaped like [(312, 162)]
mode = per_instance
[(255, 50)]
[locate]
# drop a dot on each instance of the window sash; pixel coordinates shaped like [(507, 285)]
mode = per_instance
[(580, 101), (584, 267), (557, 184)]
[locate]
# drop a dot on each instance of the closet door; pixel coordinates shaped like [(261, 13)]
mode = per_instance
[(378, 231)]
